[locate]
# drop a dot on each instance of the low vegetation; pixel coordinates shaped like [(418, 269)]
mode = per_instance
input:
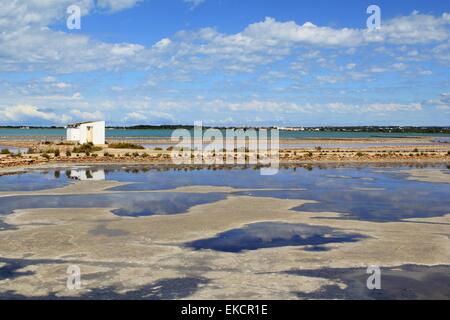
[(124, 145), (5, 151), (65, 143), (56, 152), (86, 148)]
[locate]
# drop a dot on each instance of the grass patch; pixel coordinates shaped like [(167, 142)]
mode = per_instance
[(65, 143), (86, 148), (124, 145), (5, 151), (56, 152)]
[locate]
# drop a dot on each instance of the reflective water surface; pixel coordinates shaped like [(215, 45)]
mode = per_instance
[(361, 193), (33, 181), (271, 234), (123, 204), (367, 193)]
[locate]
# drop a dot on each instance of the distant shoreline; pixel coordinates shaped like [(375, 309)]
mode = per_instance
[(20, 167), (292, 152), (149, 135), (329, 129)]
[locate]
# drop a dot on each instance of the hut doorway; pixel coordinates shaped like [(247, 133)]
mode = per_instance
[(90, 135)]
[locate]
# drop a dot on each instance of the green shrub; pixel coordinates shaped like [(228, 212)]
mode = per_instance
[(135, 154), (5, 151), (51, 150), (360, 154), (65, 143), (86, 148), (57, 153), (124, 145), (68, 153), (46, 156), (158, 149)]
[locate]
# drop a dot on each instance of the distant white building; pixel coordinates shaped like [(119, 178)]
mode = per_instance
[(85, 132)]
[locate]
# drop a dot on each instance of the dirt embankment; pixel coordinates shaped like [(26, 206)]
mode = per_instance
[(60, 152)]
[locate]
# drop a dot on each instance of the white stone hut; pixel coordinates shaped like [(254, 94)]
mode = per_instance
[(86, 132)]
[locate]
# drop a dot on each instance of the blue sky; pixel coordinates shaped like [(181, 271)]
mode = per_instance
[(225, 62)]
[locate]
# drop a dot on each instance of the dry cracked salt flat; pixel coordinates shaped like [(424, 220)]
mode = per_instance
[(144, 233)]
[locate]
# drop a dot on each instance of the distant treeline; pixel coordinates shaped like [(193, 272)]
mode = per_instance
[(389, 129), (154, 127), (408, 129), (381, 129), (30, 127)]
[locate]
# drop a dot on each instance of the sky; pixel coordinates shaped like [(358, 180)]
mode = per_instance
[(225, 62)]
